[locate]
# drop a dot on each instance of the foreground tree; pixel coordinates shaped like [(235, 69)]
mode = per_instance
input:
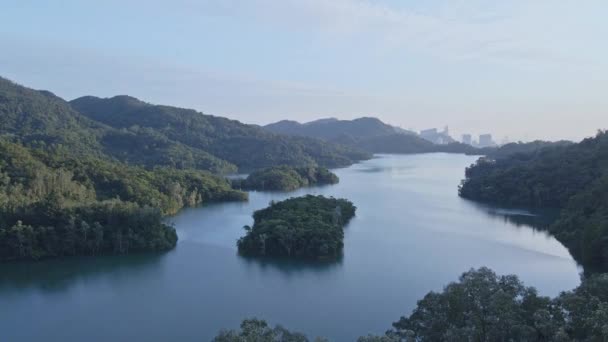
[(254, 330), (482, 307)]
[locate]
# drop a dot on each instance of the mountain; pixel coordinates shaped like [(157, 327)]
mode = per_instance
[(368, 134), (246, 146), (65, 188), (41, 119), (566, 176), (330, 129), (520, 147)]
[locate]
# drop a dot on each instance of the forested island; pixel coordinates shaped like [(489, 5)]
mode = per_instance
[(480, 306), (286, 178), (308, 227), (570, 177)]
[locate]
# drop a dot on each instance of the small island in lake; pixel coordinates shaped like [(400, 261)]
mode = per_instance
[(286, 178), (300, 227)]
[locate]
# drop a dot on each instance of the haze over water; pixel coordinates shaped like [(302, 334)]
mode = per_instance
[(412, 234)]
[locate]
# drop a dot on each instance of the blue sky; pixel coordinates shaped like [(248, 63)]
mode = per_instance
[(524, 69)]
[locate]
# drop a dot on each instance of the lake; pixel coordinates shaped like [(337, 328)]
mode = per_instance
[(412, 234)]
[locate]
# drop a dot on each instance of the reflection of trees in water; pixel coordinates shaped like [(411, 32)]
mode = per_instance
[(537, 219), (56, 275), (293, 266)]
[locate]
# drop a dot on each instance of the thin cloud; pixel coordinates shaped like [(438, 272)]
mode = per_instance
[(512, 32)]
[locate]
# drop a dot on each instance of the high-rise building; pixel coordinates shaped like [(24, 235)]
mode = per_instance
[(467, 139), (485, 140)]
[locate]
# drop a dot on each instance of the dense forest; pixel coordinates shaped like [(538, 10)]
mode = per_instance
[(299, 227), (481, 306), (52, 204), (235, 144), (65, 189), (571, 177), (285, 178), (97, 176), (42, 120), (509, 149), (259, 331)]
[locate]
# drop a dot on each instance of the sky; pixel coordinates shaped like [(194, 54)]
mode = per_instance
[(522, 69)]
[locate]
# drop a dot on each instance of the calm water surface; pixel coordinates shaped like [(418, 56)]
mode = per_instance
[(412, 234)]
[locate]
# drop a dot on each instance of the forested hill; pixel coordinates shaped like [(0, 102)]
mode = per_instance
[(126, 129), (285, 178), (65, 188), (41, 119), (55, 204), (248, 147), (330, 129), (519, 147), (368, 134), (572, 177)]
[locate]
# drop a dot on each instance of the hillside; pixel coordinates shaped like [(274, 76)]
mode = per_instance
[(519, 147), (571, 177), (246, 146), (330, 129), (285, 178), (41, 119), (368, 134), (74, 184), (53, 204)]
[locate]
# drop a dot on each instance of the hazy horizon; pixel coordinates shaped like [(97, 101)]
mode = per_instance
[(525, 70)]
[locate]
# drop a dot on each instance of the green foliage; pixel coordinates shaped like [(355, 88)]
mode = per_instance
[(286, 178), (128, 130), (248, 147), (484, 307), (548, 177), (41, 119), (52, 204), (126, 159), (302, 227), (518, 148), (113, 227), (254, 330), (571, 177), (583, 224)]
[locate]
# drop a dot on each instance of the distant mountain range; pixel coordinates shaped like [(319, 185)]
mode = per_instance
[(331, 128), (128, 130), (131, 131), (366, 133)]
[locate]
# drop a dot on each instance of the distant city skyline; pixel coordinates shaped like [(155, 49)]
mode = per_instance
[(523, 69)]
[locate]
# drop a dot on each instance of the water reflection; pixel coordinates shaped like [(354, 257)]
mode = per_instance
[(291, 266), (538, 219), (57, 275), (412, 234)]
